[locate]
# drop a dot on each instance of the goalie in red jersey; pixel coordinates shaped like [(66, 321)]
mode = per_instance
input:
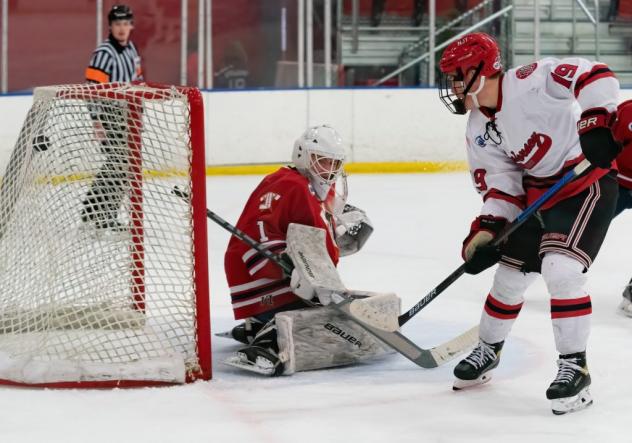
[(312, 192)]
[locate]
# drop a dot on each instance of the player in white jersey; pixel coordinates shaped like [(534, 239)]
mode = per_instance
[(526, 128)]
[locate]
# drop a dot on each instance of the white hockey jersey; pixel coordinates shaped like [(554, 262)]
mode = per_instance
[(518, 152)]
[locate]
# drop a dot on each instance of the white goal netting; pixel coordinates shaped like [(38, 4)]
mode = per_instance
[(102, 268)]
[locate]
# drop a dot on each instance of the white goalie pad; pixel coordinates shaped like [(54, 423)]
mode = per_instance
[(318, 338)]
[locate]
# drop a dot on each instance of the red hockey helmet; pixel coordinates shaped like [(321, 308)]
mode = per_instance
[(476, 51), (468, 52)]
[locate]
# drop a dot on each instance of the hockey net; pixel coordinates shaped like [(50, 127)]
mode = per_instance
[(103, 270)]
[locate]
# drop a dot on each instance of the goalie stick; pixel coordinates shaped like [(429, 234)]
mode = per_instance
[(425, 358), (393, 324)]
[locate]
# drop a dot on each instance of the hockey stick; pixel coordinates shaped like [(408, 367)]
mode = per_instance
[(285, 265), (426, 358), (393, 324)]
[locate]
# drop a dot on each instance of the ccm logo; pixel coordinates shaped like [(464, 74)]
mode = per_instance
[(586, 123)]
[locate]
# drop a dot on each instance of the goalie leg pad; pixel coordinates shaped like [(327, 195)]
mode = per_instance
[(319, 338)]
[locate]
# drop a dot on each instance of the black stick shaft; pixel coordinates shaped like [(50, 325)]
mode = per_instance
[(241, 235)]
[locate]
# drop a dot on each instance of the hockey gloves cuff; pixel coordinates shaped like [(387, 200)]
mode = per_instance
[(477, 252), (595, 137)]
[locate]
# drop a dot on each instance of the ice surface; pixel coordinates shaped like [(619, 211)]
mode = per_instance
[(419, 221)]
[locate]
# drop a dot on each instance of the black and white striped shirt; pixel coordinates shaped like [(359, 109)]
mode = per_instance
[(112, 62)]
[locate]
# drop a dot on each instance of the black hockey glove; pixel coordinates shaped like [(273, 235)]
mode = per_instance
[(477, 252), (595, 137), (484, 257)]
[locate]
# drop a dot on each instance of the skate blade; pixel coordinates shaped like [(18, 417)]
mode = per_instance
[(561, 406), (225, 334), (240, 361), (464, 384)]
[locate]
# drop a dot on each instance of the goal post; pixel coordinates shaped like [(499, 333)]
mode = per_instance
[(103, 271)]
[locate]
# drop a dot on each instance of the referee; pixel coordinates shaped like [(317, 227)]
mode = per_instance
[(114, 60)]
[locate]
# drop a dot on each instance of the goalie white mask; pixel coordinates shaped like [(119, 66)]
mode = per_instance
[(319, 155)]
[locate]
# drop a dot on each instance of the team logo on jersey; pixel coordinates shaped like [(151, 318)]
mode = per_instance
[(525, 71), (267, 199), (533, 150), (480, 141)]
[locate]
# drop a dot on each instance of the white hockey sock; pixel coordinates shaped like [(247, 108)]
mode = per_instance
[(571, 307), (503, 303)]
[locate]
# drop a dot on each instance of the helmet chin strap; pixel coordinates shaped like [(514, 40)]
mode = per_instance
[(459, 104), (474, 94)]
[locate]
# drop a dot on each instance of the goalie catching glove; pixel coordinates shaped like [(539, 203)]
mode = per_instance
[(477, 252), (353, 230)]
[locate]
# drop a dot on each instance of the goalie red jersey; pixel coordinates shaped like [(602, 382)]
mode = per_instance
[(258, 285)]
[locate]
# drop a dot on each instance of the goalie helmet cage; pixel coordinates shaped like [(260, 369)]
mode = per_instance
[(103, 271)]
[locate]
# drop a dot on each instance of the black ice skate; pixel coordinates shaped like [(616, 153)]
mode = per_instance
[(262, 356), (244, 332), (264, 361), (569, 391), (626, 304), (475, 369)]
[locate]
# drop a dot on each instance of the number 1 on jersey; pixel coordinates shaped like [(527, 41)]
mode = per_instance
[(262, 232)]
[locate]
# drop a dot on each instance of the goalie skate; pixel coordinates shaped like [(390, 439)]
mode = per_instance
[(256, 359), (244, 332)]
